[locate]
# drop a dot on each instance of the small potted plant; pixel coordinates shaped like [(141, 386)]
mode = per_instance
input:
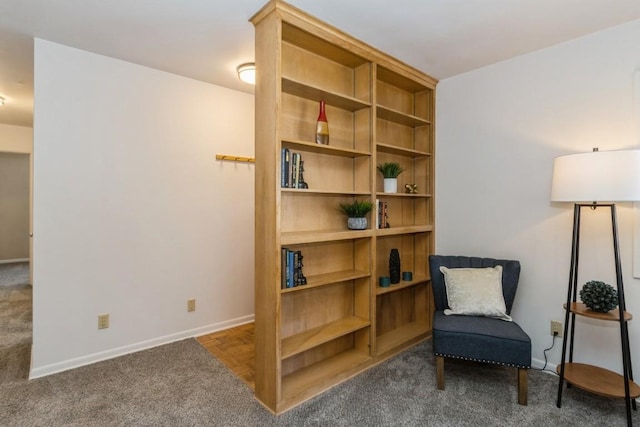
[(356, 213), (390, 172)]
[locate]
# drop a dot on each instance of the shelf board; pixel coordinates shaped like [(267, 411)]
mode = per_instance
[(313, 93), (330, 150), (392, 149), (393, 231), (401, 118), (304, 341), (598, 380), (324, 192), (300, 237), (328, 279), (402, 285), (419, 195), (614, 315), (307, 382), (400, 336)]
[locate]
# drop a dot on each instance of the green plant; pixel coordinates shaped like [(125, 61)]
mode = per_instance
[(355, 209), (599, 296), (390, 170)]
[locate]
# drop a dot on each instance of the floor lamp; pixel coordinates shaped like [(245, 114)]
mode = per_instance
[(587, 180)]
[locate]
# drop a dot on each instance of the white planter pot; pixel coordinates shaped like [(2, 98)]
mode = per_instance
[(357, 223), (391, 185)]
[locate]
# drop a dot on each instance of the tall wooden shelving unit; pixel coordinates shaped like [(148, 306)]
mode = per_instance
[(310, 338)]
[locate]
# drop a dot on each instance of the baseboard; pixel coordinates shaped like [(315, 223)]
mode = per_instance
[(539, 364), (13, 261), (66, 365)]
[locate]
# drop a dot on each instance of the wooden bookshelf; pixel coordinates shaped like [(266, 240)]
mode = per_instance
[(311, 337)]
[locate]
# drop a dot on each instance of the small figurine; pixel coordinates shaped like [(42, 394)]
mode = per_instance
[(300, 279), (301, 183), (411, 188)]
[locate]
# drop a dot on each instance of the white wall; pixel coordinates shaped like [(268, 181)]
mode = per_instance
[(498, 131), (15, 139), (132, 213)]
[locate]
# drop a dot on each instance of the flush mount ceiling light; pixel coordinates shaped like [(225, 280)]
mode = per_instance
[(247, 72)]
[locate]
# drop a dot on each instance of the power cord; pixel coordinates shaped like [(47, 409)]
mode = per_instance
[(544, 352)]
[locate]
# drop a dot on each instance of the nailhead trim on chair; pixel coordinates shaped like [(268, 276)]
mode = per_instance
[(484, 361)]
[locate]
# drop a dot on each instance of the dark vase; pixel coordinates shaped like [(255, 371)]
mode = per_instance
[(394, 266)]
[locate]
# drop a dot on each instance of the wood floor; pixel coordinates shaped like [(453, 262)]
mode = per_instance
[(236, 349)]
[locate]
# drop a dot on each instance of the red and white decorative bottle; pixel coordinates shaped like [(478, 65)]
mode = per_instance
[(322, 128)]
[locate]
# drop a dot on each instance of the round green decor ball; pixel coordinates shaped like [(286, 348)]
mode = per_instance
[(598, 296)]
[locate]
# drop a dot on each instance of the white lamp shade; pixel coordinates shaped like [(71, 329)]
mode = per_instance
[(598, 176)]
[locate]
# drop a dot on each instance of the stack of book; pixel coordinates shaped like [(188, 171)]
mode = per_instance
[(291, 267), (382, 214), (290, 170)]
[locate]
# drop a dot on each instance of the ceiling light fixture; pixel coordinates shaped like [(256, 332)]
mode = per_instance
[(247, 72)]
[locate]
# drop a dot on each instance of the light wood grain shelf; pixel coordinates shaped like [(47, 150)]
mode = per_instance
[(407, 195), (317, 94), (402, 285), (312, 191), (598, 380), (581, 309), (314, 337), (400, 335), (396, 231), (400, 117), (311, 380), (331, 150), (379, 110), (301, 237), (328, 279), (401, 151)]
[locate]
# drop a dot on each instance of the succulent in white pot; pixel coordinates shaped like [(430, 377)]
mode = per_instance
[(390, 172)]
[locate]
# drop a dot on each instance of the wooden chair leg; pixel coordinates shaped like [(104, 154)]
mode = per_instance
[(440, 372), (523, 386)]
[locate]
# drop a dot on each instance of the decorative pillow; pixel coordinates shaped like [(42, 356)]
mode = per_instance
[(475, 292)]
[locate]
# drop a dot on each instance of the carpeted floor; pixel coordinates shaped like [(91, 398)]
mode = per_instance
[(14, 274), (181, 384)]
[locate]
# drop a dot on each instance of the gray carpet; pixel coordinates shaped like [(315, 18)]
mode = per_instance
[(14, 274), (181, 384)]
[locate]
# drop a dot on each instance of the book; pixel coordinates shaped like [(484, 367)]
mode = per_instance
[(290, 269), (283, 268), (284, 167), (295, 174)]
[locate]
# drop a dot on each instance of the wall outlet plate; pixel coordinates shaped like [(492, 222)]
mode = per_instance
[(556, 328), (103, 321), (191, 304)]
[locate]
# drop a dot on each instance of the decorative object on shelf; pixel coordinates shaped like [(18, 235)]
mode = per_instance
[(356, 213), (407, 276), (390, 172), (599, 296), (382, 214), (299, 276), (385, 281), (411, 188), (301, 181), (583, 179), (322, 126), (394, 266)]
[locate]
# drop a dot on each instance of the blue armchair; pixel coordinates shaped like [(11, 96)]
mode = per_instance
[(481, 339)]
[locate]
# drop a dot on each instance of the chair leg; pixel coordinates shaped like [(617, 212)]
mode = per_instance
[(523, 386), (440, 372)]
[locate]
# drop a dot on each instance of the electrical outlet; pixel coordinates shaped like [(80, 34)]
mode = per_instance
[(556, 328), (191, 304), (103, 321)]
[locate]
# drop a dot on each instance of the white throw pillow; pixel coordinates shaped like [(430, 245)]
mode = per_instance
[(475, 292)]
